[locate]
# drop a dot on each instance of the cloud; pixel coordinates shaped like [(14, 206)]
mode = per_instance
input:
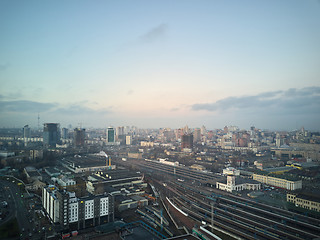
[(295, 101), (77, 109), (4, 67), (130, 92), (154, 34), (24, 106)]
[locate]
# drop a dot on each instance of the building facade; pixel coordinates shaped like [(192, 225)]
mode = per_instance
[(110, 135), (51, 134), (79, 137), (278, 182), (187, 141), (64, 208), (232, 185), (306, 201)]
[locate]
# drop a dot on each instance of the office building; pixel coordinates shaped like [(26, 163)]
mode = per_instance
[(51, 134), (197, 135), (64, 133), (26, 133), (110, 135), (79, 137), (187, 141), (128, 140)]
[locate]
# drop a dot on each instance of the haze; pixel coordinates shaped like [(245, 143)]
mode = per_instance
[(160, 63)]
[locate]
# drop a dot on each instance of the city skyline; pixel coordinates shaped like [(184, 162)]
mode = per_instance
[(161, 64)]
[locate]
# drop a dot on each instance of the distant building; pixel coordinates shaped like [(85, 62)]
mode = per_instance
[(26, 133), (79, 137), (36, 154), (70, 212), (51, 134), (110, 135), (187, 141), (64, 133), (197, 135), (128, 140)]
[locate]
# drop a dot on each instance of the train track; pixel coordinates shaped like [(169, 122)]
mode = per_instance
[(250, 222)]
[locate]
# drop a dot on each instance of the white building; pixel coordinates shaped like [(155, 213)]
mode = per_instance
[(64, 181), (278, 182), (65, 208), (231, 171), (238, 184)]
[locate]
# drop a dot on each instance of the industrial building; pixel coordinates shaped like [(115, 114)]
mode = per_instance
[(100, 181), (87, 163)]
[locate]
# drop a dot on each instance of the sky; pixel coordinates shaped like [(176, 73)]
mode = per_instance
[(165, 63)]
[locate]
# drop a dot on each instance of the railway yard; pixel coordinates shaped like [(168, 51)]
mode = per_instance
[(198, 202)]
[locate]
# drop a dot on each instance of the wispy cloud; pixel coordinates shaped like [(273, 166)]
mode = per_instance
[(154, 34), (4, 66), (130, 92), (78, 109), (295, 101), (25, 106)]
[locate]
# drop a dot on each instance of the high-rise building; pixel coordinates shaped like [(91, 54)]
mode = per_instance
[(64, 133), (120, 131), (128, 140), (203, 131), (26, 133), (110, 135), (79, 137), (197, 135), (51, 134), (187, 141)]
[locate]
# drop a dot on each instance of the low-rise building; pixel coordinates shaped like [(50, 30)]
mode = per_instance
[(306, 200), (32, 174), (237, 184), (278, 182), (231, 171)]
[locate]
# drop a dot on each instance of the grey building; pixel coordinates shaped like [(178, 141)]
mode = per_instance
[(51, 134), (70, 212)]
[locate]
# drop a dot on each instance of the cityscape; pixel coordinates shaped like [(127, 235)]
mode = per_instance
[(147, 120), (127, 182)]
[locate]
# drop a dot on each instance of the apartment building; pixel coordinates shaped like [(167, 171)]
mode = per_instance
[(65, 208)]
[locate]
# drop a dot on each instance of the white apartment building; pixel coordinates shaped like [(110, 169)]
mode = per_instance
[(65, 208)]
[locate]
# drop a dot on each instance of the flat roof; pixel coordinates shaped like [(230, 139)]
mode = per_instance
[(277, 169)]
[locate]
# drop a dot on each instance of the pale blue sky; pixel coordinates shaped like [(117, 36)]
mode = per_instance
[(161, 63)]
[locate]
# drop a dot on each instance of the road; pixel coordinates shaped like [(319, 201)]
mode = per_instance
[(17, 206)]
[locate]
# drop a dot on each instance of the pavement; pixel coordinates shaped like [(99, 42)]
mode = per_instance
[(19, 209)]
